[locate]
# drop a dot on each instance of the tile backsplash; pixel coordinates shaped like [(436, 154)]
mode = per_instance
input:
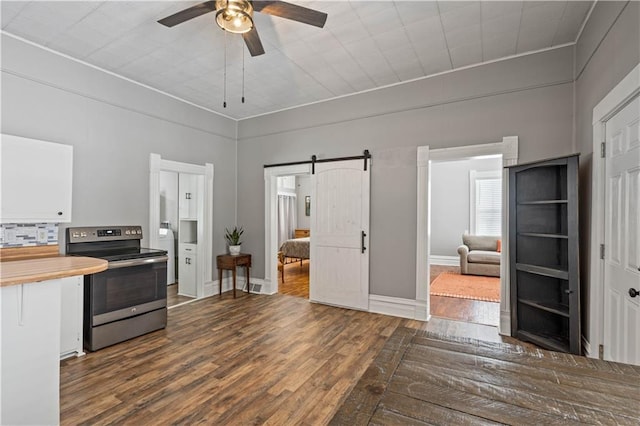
[(25, 235)]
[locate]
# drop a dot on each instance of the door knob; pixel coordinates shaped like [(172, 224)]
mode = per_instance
[(633, 292)]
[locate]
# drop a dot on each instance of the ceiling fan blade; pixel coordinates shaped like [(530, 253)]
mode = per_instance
[(190, 13), (291, 11), (253, 42)]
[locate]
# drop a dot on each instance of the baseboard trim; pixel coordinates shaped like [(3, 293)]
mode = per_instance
[(210, 288), (398, 307), (421, 311), (505, 323), (444, 260)]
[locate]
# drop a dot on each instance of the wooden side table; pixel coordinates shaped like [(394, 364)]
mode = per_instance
[(231, 262)]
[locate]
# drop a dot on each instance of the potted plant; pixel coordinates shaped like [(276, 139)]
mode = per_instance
[(233, 239)]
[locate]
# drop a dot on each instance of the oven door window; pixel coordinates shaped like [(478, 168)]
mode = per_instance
[(121, 288)]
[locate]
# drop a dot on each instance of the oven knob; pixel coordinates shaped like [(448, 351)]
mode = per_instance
[(127, 232), (83, 234), (76, 235), (138, 232), (133, 309)]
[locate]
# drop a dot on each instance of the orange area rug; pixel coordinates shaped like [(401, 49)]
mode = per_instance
[(474, 287)]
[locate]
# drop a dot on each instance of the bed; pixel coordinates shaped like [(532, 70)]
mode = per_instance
[(293, 250)]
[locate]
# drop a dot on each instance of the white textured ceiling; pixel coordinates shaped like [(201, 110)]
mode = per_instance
[(364, 45)]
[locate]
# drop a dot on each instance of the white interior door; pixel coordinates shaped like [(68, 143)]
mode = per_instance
[(622, 236), (339, 267)]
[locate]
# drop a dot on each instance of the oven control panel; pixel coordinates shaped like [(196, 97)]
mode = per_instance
[(103, 233)]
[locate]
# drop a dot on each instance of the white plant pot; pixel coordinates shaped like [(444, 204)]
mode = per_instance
[(234, 250)]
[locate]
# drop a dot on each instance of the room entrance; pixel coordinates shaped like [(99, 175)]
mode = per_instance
[(281, 221), (180, 220), (426, 258), (466, 237), (339, 229), (293, 223)]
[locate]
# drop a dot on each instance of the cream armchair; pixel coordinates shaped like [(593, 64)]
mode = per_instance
[(479, 255)]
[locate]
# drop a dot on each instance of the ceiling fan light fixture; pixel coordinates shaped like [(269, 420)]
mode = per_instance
[(234, 16)]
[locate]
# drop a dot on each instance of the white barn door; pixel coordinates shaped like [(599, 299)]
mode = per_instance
[(339, 267), (622, 237)]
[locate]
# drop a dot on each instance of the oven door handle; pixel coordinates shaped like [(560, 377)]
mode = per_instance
[(137, 262)]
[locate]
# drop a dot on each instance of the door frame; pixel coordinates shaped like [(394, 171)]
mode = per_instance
[(509, 150), (271, 175), (204, 266), (614, 101)]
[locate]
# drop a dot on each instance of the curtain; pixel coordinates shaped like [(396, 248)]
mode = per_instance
[(287, 218)]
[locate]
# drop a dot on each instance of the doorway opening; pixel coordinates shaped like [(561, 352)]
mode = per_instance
[(293, 232), (275, 261), (339, 232), (466, 232), (508, 149), (180, 221)]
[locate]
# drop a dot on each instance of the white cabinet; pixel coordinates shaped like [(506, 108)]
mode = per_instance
[(187, 269), (188, 190), (36, 181), (190, 215), (71, 316), (30, 368)]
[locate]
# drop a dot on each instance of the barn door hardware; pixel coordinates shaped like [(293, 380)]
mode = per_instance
[(366, 155)]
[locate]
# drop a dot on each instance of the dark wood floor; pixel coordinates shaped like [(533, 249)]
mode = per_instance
[(173, 298), (466, 310), (251, 360), (282, 360), (296, 280), (422, 378)]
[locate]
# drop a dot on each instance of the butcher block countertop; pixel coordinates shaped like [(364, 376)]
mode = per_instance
[(33, 269)]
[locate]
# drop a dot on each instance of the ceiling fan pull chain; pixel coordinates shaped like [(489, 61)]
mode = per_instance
[(242, 73), (224, 102)]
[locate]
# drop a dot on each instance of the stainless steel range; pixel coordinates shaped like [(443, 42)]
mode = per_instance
[(129, 298)]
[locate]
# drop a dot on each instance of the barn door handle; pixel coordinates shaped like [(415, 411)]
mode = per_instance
[(633, 292), (362, 247)]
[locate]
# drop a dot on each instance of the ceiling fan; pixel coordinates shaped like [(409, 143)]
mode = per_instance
[(236, 16)]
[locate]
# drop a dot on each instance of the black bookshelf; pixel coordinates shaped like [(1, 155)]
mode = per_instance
[(543, 253)]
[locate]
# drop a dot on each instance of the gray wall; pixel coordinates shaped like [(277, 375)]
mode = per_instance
[(303, 189), (450, 201), (530, 97), (607, 51), (113, 125)]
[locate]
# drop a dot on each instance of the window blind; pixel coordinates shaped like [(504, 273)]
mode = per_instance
[(488, 206)]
